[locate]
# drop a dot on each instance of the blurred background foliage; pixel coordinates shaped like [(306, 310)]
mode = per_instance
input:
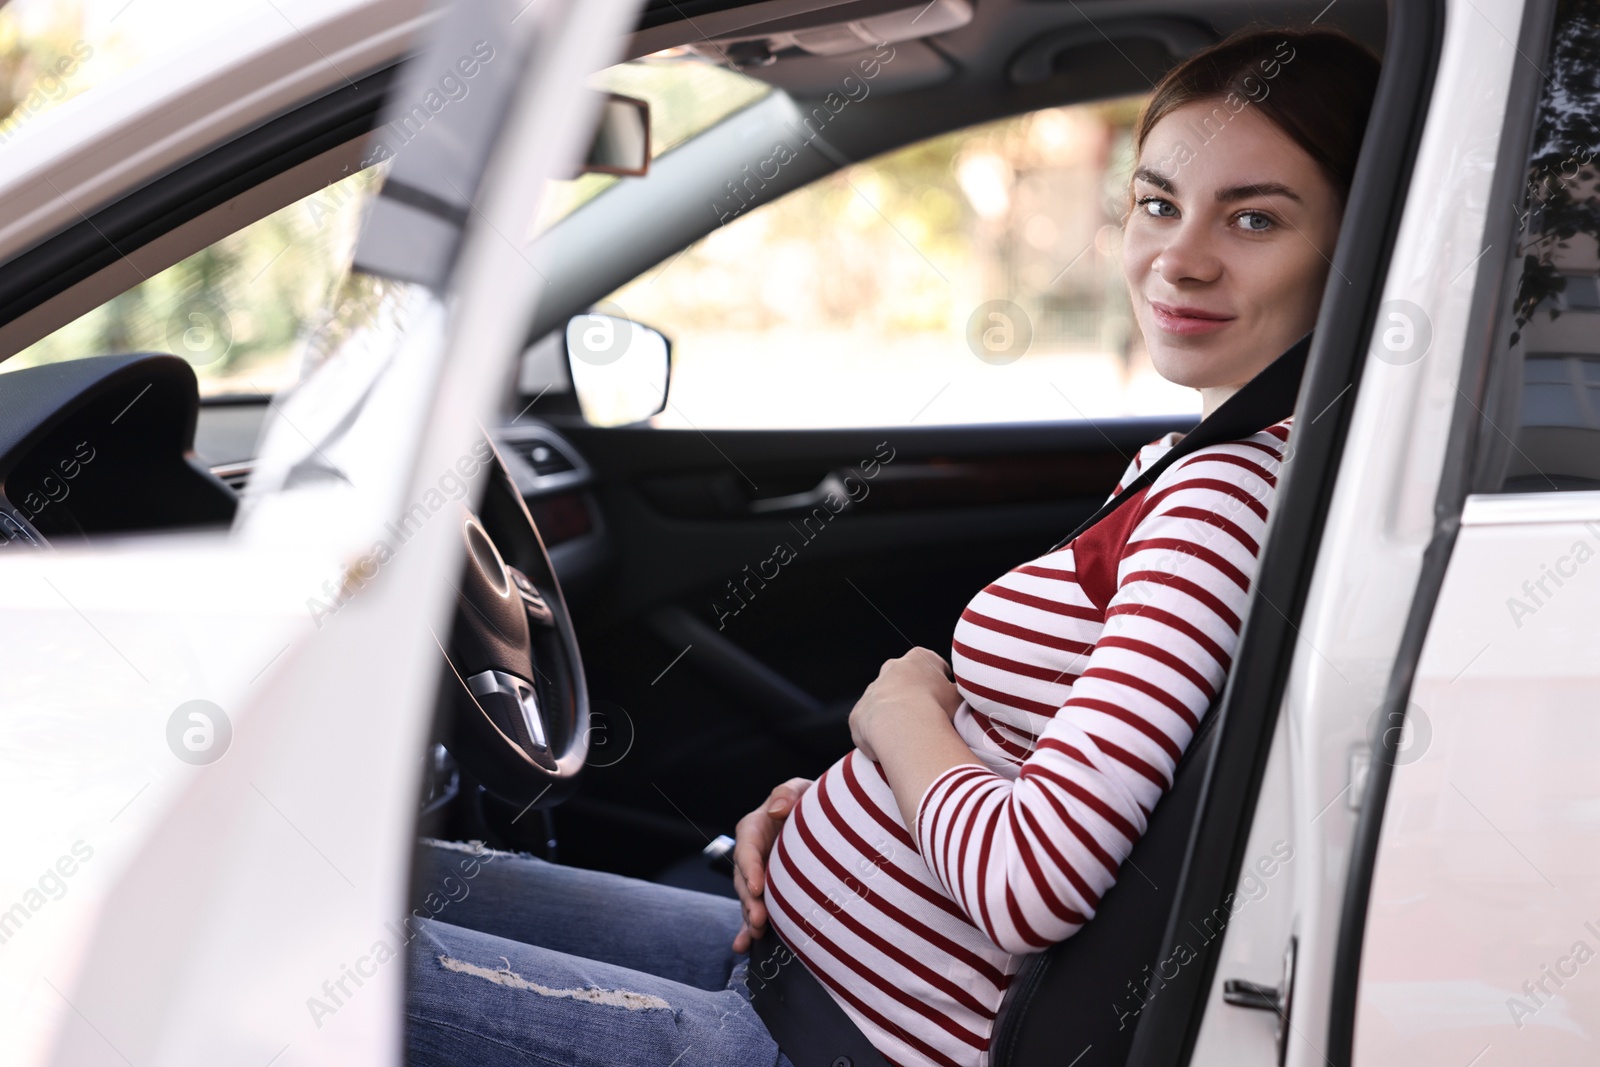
[(852, 300), (31, 46), (241, 310), (1017, 209), (1560, 208)]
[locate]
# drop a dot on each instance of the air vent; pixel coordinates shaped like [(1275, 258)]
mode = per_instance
[(545, 459)]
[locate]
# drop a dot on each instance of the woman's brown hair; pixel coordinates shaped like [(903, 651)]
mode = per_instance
[(1314, 85)]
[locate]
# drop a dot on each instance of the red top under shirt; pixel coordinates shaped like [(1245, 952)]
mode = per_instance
[(1084, 674)]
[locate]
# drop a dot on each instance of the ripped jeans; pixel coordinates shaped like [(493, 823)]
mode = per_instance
[(528, 962)]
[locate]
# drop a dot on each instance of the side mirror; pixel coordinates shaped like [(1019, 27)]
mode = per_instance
[(620, 368), (622, 140)]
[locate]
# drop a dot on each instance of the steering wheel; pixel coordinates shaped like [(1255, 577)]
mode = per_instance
[(521, 723)]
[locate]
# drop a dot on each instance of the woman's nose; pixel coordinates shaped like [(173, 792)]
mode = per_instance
[(1187, 256)]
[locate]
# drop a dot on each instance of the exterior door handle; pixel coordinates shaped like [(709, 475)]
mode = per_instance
[(1278, 999), (1242, 994)]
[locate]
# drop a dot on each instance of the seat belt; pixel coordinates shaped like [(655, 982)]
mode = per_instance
[(1265, 400), (801, 1015)]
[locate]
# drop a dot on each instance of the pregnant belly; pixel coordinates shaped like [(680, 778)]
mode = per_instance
[(849, 893)]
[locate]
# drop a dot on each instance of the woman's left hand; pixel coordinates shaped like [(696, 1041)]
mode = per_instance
[(915, 688)]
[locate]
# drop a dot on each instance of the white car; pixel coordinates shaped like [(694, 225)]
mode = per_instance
[(865, 235)]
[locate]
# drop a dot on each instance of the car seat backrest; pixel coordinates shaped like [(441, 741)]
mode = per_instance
[(1084, 995), (1087, 992)]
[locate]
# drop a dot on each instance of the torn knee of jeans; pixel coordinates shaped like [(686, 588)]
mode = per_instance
[(471, 848), (614, 998)]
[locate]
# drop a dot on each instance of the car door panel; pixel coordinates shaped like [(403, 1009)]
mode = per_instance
[(757, 579), (1478, 931)]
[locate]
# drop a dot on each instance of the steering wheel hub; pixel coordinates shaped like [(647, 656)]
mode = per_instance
[(521, 709)]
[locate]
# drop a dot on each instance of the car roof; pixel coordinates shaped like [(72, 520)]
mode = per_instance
[(996, 33)]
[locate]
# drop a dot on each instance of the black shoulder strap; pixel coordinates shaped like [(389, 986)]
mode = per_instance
[(1264, 400)]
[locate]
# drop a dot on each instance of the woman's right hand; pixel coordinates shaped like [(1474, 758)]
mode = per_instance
[(753, 841)]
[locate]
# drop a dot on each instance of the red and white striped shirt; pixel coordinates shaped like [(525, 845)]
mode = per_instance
[(1084, 674)]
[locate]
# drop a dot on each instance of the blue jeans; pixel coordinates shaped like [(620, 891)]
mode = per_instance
[(515, 961)]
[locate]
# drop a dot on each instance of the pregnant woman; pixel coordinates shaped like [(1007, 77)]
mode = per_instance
[(989, 801)]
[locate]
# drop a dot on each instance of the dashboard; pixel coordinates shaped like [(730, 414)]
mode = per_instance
[(123, 444), (100, 446)]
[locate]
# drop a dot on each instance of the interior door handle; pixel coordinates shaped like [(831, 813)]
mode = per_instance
[(1278, 999), (831, 484)]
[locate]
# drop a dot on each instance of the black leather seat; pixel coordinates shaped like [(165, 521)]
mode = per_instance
[(1086, 993), (1083, 997)]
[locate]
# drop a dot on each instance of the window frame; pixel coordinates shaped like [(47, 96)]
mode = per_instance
[(61, 266), (1462, 469)]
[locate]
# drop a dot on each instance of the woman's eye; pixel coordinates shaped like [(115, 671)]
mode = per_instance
[(1254, 221), (1157, 207)]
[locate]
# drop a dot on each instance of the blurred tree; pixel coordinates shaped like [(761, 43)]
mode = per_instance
[(30, 81), (1561, 203), (241, 309)]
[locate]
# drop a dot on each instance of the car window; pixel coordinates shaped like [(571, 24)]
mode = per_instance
[(242, 310), (687, 96), (1545, 408), (973, 277)]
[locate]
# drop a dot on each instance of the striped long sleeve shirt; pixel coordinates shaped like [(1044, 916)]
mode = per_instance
[(1083, 675)]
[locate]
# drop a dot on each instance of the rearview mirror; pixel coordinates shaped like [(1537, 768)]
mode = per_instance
[(620, 368), (622, 140)]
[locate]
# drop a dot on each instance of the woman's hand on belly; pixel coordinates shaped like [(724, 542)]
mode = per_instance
[(753, 841), (903, 723), (912, 691)]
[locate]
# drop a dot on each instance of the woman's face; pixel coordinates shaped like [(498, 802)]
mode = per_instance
[(1227, 247)]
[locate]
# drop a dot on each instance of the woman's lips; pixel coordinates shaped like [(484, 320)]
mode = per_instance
[(1188, 321)]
